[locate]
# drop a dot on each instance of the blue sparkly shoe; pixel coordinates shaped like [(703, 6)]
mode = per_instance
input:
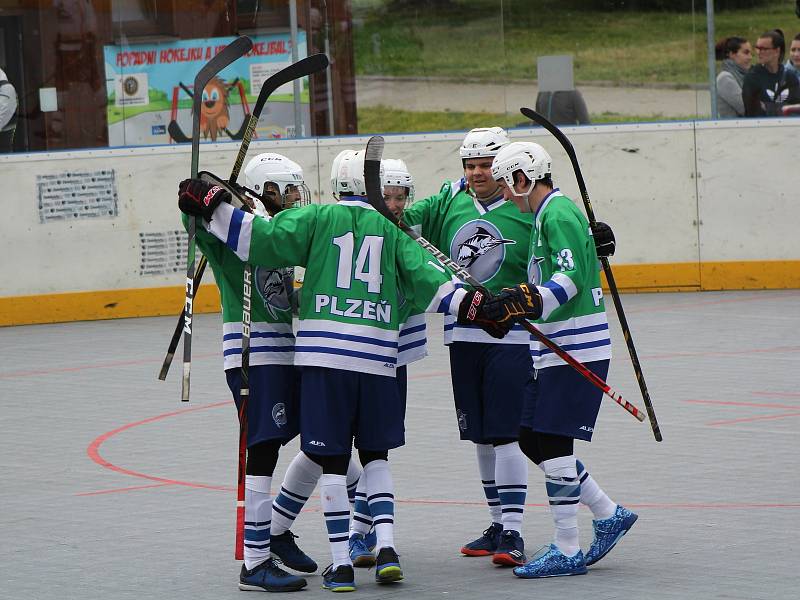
[(371, 539), (360, 554), (607, 532), (549, 561)]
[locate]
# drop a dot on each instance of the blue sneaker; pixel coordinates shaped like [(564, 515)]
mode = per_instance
[(387, 568), (360, 553), (284, 547), (486, 544), (511, 550), (607, 532), (549, 561), (371, 539), (269, 577), (340, 579)]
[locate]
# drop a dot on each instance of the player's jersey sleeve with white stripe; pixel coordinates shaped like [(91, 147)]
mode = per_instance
[(565, 269)]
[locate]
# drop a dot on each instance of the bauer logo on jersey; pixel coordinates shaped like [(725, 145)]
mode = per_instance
[(279, 414), (270, 286), (480, 248)]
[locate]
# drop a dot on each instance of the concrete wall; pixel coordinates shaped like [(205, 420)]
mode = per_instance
[(705, 205)]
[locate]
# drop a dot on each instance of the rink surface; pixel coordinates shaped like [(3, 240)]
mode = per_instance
[(111, 488)]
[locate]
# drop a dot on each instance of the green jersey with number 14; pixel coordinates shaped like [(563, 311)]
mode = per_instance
[(358, 267), (564, 266)]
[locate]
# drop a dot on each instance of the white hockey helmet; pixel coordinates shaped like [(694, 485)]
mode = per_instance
[(347, 173), (284, 174), (528, 157), (483, 141), (396, 173)]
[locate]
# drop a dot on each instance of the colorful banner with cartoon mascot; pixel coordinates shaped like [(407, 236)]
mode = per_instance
[(150, 85)]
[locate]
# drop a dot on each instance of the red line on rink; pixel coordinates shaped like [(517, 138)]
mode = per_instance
[(749, 419), (109, 365), (746, 404), (94, 450)]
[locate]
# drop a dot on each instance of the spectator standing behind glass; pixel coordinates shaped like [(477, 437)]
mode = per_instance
[(735, 54), (793, 63), (769, 86), (8, 114)]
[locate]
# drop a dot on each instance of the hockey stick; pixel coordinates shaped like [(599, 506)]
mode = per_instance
[(244, 397), (301, 68), (230, 53), (626, 332), (372, 179)]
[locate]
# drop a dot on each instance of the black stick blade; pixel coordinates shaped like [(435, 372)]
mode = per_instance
[(372, 176), (302, 68), (176, 133)]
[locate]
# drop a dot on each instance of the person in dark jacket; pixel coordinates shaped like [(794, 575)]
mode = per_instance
[(769, 87)]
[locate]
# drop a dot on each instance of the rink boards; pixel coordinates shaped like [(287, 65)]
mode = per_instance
[(707, 205)]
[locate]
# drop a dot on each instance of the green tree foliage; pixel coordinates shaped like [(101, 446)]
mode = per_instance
[(672, 5)]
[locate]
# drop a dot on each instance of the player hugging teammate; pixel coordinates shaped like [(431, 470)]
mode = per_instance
[(361, 320)]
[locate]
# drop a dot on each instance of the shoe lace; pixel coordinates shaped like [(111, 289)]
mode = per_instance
[(491, 531), (328, 570)]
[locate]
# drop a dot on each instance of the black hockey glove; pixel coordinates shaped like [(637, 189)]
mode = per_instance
[(200, 198), (470, 312), (512, 304), (604, 241)]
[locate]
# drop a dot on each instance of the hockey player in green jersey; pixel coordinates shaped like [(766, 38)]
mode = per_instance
[(398, 192), (469, 221), (272, 412), (562, 292), (358, 265)]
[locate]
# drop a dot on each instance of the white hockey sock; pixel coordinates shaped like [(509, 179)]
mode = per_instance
[(257, 517), (486, 465), (593, 496), (353, 477), (380, 497), (336, 508), (511, 477), (564, 492), (298, 484), (362, 517)]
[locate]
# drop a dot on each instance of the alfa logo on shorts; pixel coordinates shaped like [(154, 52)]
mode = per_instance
[(462, 419), (279, 414)]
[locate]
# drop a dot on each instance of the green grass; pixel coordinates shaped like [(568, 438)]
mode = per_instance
[(379, 119), (476, 40)]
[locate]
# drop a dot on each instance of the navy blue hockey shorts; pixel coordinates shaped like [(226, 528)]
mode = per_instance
[(338, 406), (401, 375), (488, 385), (560, 401), (273, 410)]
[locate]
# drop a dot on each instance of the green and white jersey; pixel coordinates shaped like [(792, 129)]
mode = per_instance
[(489, 240), (358, 267), (271, 337), (413, 340), (566, 271)]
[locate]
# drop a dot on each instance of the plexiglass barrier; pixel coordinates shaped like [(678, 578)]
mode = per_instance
[(109, 73)]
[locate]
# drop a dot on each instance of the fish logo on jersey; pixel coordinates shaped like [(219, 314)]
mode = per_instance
[(480, 248), (535, 270), (271, 288), (279, 414)]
